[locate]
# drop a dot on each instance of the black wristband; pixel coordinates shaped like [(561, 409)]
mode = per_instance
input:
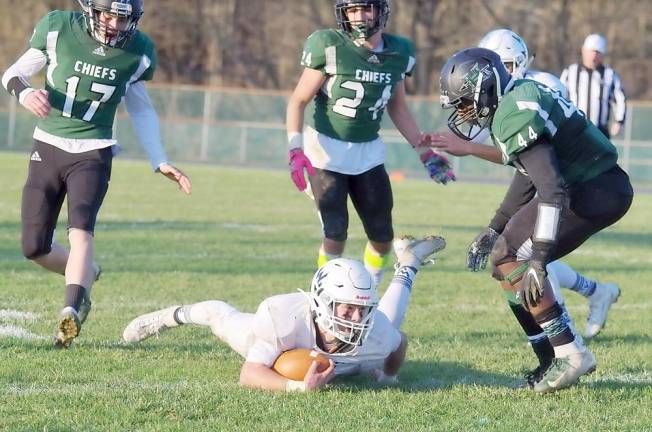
[(16, 86)]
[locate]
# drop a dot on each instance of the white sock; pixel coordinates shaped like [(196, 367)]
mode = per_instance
[(565, 274), (395, 300), (575, 347), (204, 313)]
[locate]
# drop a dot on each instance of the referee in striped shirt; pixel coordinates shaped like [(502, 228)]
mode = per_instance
[(595, 87)]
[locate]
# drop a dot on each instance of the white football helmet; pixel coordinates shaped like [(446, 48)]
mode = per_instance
[(510, 47), (343, 281)]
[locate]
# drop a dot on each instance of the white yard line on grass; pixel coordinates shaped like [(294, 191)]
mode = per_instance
[(12, 331), (9, 314)]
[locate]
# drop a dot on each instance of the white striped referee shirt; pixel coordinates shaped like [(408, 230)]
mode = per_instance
[(596, 92)]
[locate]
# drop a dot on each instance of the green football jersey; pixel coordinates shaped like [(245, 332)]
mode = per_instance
[(531, 110), (85, 79), (359, 82)]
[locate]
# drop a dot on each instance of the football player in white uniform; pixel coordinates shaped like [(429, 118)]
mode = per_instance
[(340, 318), (514, 54)]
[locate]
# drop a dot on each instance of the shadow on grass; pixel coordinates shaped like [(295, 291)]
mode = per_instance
[(618, 339), (419, 376)]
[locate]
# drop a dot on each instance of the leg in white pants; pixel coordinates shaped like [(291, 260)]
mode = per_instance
[(226, 322)]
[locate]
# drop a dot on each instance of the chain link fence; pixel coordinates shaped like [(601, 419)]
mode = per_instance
[(246, 128)]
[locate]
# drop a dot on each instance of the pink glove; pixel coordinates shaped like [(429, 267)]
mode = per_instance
[(299, 161)]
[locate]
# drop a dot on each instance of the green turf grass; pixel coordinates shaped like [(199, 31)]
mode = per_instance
[(247, 234)]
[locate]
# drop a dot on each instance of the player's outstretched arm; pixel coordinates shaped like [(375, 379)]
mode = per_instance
[(437, 166), (393, 362), (402, 117), (456, 146), (309, 84), (258, 375)]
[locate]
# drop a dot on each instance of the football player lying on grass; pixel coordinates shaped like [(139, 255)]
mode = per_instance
[(341, 319)]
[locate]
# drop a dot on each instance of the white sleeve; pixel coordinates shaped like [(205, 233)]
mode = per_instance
[(145, 121), (266, 347), (30, 63), (619, 100), (482, 137)]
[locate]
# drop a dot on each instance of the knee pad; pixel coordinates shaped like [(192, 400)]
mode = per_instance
[(378, 228), (498, 256), (335, 226)]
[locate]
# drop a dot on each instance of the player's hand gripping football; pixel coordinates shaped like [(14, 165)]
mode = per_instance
[(177, 176), (299, 162), (533, 284), (480, 249), (315, 379)]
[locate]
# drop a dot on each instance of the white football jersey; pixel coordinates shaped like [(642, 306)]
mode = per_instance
[(284, 322)]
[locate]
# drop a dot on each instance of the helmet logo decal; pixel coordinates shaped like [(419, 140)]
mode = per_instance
[(474, 78)]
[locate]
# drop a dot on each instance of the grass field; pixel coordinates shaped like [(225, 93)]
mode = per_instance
[(244, 235)]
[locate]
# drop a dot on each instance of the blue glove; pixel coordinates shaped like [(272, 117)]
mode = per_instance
[(438, 167), (480, 249)]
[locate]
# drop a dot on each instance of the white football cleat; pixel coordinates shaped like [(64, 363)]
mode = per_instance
[(68, 328), (415, 253), (566, 371), (151, 324), (599, 303)]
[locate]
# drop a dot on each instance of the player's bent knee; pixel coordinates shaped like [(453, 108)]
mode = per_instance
[(510, 273), (335, 228), (379, 230), (33, 249)]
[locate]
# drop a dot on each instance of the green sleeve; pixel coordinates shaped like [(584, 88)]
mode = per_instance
[(411, 58), (149, 73), (40, 35), (148, 49), (521, 123), (314, 53)]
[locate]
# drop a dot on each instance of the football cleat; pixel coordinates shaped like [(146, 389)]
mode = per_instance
[(86, 304), (415, 253), (566, 371), (599, 303), (68, 328), (534, 376), (151, 324)]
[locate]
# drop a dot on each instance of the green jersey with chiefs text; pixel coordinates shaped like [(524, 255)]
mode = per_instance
[(359, 83), (85, 79), (531, 110)]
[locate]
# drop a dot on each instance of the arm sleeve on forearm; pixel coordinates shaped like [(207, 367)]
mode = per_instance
[(520, 192), (540, 162), (145, 121), (16, 78)]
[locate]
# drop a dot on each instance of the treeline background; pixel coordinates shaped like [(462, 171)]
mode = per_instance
[(257, 43)]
